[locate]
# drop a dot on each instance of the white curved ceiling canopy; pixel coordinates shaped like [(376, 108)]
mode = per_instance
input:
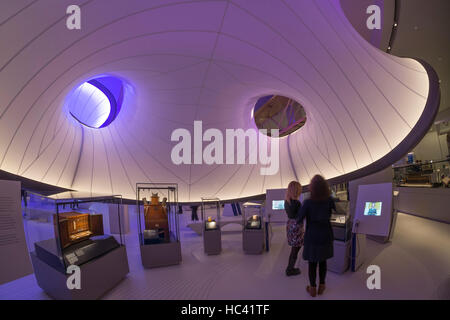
[(182, 61), (89, 105)]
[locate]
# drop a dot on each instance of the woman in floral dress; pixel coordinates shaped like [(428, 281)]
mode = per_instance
[(294, 226)]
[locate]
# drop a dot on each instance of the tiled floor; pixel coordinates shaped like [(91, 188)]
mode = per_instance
[(415, 265)]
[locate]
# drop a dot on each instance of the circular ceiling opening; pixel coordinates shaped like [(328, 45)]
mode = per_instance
[(279, 112), (97, 102)]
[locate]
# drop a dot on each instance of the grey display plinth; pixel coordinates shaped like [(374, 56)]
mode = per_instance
[(161, 254), (253, 241), (212, 241), (341, 258), (97, 276)]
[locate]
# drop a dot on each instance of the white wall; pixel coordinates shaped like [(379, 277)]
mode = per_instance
[(432, 147)]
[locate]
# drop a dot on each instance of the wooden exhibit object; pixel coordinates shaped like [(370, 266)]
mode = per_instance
[(75, 227), (155, 214)]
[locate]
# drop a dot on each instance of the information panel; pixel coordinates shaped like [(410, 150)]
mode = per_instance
[(275, 205), (12, 236), (373, 211)]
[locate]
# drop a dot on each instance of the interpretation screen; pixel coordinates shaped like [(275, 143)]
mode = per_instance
[(372, 209), (277, 204)]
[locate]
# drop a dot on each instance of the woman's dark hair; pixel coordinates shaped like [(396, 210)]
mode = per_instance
[(319, 188)]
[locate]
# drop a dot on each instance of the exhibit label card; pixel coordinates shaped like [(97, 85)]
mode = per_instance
[(14, 257)]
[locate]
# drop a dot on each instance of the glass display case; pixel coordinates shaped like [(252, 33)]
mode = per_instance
[(210, 213), (71, 231), (341, 225), (341, 221), (212, 236), (254, 222), (254, 229), (253, 215), (431, 174), (158, 223), (158, 220), (76, 228), (211, 224)]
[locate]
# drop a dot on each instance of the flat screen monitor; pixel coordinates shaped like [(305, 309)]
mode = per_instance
[(372, 208), (274, 205), (373, 211), (277, 204)]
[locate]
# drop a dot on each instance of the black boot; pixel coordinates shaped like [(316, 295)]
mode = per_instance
[(290, 270)]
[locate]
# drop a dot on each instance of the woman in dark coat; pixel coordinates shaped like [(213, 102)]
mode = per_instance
[(294, 227), (318, 244)]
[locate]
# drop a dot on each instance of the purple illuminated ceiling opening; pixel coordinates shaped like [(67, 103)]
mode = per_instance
[(97, 102)]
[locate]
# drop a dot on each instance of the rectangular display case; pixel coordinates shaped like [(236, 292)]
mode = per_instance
[(341, 225), (211, 224), (341, 221), (158, 224), (212, 233), (254, 222), (80, 237), (76, 227), (253, 233)]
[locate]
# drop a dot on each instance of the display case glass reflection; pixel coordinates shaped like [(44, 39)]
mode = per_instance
[(158, 220), (211, 213), (75, 227), (253, 222), (78, 229), (340, 221), (211, 224), (253, 215)]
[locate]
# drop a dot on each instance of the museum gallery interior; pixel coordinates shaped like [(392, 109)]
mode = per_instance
[(146, 148)]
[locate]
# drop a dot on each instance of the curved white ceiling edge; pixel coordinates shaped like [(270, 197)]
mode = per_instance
[(202, 60)]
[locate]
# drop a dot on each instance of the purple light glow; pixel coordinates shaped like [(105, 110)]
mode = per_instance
[(97, 102)]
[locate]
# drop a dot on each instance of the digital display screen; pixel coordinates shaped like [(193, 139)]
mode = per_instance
[(372, 209), (277, 204)]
